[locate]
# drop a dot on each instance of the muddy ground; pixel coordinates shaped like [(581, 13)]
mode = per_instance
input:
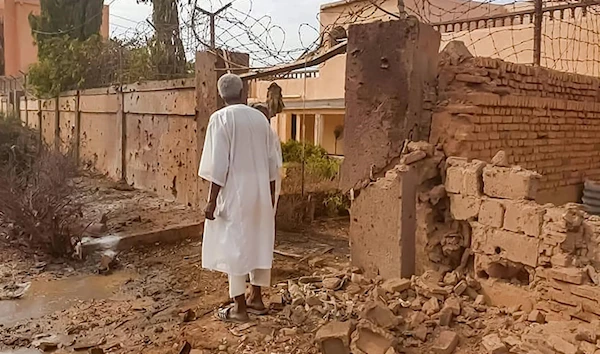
[(140, 306)]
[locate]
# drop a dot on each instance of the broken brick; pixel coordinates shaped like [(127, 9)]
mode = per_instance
[(464, 207), (493, 344), (454, 304), (371, 339), (472, 178), (460, 288), (413, 157), (445, 343), (454, 179), (568, 275), (446, 316), (536, 316), (334, 337), (380, 315), (431, 306), (396, 285)]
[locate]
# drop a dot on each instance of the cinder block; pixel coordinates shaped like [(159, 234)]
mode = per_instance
[(492, 213), (510, 183), (524, 216), (464, 207)]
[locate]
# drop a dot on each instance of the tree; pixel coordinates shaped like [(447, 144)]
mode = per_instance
[(67, 36), (74, 19), (167, 49)]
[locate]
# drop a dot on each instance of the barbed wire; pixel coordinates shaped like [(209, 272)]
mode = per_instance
[(570, 40)]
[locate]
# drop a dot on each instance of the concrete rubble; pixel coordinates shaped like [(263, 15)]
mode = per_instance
[(484, 249)]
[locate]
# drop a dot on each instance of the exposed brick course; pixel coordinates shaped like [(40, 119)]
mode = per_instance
[(546, 121)]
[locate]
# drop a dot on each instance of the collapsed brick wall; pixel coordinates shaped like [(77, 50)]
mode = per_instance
[(552, 250), (546, 121)]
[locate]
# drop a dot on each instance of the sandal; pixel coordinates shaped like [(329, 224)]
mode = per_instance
[(224, 314)]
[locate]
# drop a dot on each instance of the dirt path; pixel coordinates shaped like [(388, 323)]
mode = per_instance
[(140, 307)]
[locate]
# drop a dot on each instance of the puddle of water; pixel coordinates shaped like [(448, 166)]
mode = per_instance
[(47, 297)]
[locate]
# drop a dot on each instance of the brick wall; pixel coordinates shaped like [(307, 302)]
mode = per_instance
[(551, 251), (546, 121)]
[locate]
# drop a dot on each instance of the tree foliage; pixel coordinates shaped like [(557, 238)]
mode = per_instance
[(72, 54), (67, 36), (167, 48)]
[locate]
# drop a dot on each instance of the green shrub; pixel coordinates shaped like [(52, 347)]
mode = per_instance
[(317, 161)]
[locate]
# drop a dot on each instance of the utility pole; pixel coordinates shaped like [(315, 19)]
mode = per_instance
[(537, 33), (212, 16)]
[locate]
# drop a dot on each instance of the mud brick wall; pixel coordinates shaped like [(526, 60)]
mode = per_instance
[(545, 120), (546, 256)]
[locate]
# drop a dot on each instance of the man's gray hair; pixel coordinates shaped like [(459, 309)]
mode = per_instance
[(230, 86)]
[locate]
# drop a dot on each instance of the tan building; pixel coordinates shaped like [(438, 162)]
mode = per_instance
[(18, 47), (315, 98)]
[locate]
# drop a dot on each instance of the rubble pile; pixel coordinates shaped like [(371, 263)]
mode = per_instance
[(360, 315)]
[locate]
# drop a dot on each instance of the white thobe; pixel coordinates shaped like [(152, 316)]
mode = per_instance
[(240, 155)]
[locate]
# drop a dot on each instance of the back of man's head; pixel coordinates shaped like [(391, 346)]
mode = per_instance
[(230, 87)]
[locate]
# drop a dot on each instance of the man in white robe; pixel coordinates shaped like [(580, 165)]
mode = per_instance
[(241, 162)]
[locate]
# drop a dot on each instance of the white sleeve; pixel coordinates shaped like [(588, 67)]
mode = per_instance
[(214, 164), (275, 158)]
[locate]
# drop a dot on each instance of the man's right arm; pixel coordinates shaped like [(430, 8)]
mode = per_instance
[(213, 193)]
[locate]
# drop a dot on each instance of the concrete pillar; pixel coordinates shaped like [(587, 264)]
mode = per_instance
[(11, 39), (383, 226), (399, 79), (298, 123), (209, 68), (319, 127)]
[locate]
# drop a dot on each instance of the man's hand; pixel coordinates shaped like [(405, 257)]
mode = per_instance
[(209, 210)]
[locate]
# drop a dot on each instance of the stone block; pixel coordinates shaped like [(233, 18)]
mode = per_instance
[(510, 183), (491, 213), (464, 207), (445, 343), (493, 344), (454, 179), (472, 178), (524, 216), (334, 337), (383, 226)]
